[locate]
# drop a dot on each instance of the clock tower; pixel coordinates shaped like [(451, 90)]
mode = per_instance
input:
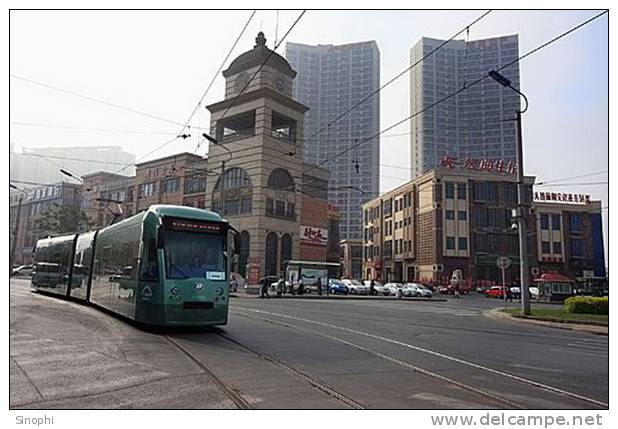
[(259, 130)]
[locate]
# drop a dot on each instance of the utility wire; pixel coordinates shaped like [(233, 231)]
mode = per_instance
[(476, 82), (108, 130), (95, 100), (575, 184), (572, 177), (466, 28), (199, 103), (272, 52)]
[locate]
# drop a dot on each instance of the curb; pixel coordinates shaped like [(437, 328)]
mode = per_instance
[(498, 314), (342, 297)]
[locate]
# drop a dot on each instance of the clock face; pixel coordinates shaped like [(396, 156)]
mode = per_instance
[(240, 81), (279, 83)]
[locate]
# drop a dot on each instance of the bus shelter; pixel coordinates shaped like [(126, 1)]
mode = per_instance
[(310, 272)]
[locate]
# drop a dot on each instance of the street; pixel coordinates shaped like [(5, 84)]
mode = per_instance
[(302, 353)]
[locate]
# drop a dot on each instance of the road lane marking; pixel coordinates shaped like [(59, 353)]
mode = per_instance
[(406, 365), (441, 355)]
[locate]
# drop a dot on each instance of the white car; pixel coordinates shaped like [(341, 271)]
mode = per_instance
[(534, 291), (390, 288), (416, 290), (355, 287), (22, 270)]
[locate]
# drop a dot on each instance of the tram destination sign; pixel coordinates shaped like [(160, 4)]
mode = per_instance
[(178, 224)]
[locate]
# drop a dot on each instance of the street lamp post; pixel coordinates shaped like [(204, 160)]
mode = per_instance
[(221, 190), (16, 229), (521, 206)]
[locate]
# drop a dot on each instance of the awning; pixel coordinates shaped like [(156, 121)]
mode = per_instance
[(553, 278)]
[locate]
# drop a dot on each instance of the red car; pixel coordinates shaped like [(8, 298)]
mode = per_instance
[(497, 292)]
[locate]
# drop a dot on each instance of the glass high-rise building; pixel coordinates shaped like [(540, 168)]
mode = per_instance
[(332, 79), (472, 124)]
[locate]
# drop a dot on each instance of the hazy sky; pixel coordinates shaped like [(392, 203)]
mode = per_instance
[(161, 62)]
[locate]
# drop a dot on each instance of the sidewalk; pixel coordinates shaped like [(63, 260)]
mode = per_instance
[(498, 314), (252, 292)]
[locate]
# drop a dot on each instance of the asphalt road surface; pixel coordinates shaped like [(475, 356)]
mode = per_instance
[(302, 353)]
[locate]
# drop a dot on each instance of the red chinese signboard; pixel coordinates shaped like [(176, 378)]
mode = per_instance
[(497, 166), (313, 235), (561, 197)]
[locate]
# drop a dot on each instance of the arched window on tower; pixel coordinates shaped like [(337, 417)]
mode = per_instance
[(281, 180), (237, 193)]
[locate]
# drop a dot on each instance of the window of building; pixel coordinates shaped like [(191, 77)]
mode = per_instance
[(463, 243), (279, 208), (557, 247), (544, 222), (449, 190), (170, 186), (270, 206), (576, 222), (147, 189), (450, 243), (281, 179), (245, 205), (195, 184), (450, 214), (462, 215), (555, 222), (544, 246), (577, 247), (461, 191), (291, 210)]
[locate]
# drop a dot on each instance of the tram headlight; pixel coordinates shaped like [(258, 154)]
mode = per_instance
[(175, 290), (219, 291)]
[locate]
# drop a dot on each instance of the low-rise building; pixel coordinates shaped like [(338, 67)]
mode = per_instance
[(569, 237), (351, 259), (442, 221), (104, 198), (34, 203), (449, 219)]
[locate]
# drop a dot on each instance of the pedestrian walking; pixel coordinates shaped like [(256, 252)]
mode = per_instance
[(372, 287), (301, 286), (319, 284), (456, 293), (264, 288)]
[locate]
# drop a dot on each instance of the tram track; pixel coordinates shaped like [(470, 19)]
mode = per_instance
[(316, 383), (266, 316), (234, 396)]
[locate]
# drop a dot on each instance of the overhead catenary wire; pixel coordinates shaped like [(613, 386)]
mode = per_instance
[(476, 82), (466, 28), (597, 173), (107, 130), (95, 100)]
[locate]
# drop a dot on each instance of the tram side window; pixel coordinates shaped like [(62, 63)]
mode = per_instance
[(149, 270)]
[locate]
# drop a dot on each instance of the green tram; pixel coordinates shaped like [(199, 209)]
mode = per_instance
[(166, 266)]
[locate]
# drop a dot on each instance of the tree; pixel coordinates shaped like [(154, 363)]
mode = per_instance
[(63, 220)]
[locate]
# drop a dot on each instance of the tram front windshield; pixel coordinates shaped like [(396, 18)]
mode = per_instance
[(191, 255)]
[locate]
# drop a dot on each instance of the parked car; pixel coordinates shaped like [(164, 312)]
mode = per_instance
[(516, 292), (355, 287), (534, 292), (389, 289), (337, 287), (23, 270), (416, 290), (481, 289), (497, 292)]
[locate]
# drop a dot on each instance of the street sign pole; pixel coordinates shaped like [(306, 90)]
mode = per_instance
[(503, 263), (504, 287)]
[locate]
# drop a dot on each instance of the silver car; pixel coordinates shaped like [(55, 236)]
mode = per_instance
[(355, 287)]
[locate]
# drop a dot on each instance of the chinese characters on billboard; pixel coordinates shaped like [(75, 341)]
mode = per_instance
[(497, 166), (562, 197)]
